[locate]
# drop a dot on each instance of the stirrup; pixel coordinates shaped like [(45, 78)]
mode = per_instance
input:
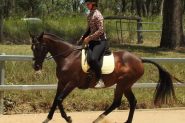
[(100, 84)]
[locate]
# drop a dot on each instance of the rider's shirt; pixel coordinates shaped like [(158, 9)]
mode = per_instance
[(95, 24)]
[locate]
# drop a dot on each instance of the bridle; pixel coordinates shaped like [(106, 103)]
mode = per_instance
[(63, 54), (42, 46)]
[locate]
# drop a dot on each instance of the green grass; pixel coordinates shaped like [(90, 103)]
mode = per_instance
[(80, 100)]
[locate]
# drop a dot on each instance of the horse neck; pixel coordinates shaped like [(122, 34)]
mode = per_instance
[(58, 47)]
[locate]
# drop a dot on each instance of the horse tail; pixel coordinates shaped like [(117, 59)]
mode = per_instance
[(164, 90)]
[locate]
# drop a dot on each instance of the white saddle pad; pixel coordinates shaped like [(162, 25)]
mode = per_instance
[(107, 67)]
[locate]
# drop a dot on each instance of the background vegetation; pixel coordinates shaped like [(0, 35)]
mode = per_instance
[(66, 18)]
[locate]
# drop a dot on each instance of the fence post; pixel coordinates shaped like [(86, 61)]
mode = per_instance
[(139, 31), (2, 78)]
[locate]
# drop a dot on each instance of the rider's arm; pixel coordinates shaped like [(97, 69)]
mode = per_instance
[(88, 31), (79, 42), (100, 30)]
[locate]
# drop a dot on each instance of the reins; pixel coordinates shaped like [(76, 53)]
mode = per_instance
[(65, 54)]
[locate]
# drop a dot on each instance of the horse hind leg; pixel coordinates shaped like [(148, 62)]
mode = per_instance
[(132, 101), (116, 103)]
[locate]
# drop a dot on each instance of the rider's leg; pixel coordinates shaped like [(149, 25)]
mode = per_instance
[(95, 53)]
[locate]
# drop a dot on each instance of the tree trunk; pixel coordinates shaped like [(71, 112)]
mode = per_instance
[(144, 9), (141, 8), (138, 7), (172, 30), (149, 7), (123, 6), (161, 11), (132, 8), (1, 29), (1, 20)]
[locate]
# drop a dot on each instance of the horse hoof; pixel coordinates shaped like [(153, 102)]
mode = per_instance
[(46, 120), (69, 119), (101, 117)]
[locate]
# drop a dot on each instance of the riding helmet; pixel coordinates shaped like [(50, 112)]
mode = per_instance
[(94, 1)]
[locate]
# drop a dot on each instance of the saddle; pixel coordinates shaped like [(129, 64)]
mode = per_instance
[(107, 66)]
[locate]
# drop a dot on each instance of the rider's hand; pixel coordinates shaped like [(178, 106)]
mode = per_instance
[(80, 41), (87, 40)]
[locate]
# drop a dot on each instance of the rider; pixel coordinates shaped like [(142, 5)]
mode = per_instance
[(96, 40)]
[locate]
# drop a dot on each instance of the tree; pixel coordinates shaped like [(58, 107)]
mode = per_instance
[(172, 30), (141, 8), (31, 7), (1, 20), (75, 5)]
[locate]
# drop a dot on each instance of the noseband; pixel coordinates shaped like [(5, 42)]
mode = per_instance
[(41, 46)]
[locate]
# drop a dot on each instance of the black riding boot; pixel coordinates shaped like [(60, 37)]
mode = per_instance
[(100, 83)]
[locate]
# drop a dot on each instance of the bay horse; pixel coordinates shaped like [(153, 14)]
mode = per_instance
[(128, 69)]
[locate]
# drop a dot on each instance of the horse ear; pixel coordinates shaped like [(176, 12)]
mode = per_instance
[(41, 35), (31, 35)]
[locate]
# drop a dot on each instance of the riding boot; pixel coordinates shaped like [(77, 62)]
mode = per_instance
[(100, 83), (89, 78)]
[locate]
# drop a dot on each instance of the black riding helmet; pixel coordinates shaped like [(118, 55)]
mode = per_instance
[(93, 1)]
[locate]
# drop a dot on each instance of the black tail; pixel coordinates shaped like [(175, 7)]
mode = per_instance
[(165, 90)]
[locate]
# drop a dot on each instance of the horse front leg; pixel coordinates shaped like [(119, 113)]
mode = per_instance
[(52, 110), (68, 88), (54, 105)]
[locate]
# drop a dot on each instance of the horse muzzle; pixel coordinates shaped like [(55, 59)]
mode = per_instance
[(37, 67)]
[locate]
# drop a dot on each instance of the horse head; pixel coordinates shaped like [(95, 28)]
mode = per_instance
[(40, 51)]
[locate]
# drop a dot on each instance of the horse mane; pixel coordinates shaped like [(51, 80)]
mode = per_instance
[(56, 38)]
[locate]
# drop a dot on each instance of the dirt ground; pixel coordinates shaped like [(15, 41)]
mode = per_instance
[(141, 116)]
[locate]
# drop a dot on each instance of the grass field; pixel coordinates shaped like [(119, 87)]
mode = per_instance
[(40, 101)]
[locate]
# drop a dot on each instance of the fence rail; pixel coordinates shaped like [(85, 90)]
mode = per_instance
[(54, 86), (131, 20), (4, 87)]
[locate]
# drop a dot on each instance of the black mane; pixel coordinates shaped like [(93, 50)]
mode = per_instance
[(55, 37)]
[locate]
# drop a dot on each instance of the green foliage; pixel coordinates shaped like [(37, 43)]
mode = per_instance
[(69, 28), (15, 31), (54, 8), (29, 7), (72, 27), (65, 18)]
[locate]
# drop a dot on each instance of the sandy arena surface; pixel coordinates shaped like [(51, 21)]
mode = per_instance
[(141, 116)]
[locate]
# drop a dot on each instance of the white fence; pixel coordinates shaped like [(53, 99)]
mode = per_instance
[(4, 87)]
